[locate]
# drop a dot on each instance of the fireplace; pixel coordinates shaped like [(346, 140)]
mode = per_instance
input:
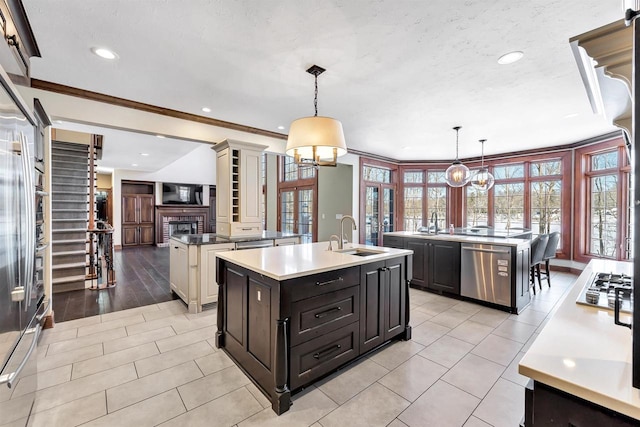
[(181, 220), (183, 227)]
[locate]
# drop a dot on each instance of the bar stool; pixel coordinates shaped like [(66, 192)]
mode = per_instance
[(550, 252), (538, 246)]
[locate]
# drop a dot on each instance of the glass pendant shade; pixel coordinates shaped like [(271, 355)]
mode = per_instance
[(316, 139), (482, 180), (457, 175)]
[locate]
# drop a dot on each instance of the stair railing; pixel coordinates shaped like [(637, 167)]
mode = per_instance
[(101, 261)]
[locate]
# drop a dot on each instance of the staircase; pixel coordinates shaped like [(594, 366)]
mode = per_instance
[(69, 208)]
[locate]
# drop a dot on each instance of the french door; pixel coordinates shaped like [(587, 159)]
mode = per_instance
[(379, 210), (297, 210)]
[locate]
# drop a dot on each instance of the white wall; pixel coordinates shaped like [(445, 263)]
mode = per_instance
[(354, 160), (197, 167)]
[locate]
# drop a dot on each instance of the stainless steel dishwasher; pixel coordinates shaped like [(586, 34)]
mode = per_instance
[(253, 244), (486, 273)]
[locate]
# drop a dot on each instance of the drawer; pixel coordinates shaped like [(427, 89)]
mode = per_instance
[(322, 355), (245, 229), (317, 284), (324, 313)]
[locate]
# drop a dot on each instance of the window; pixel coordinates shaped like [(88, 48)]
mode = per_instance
[(376, 174), (546, 197), (477, 207), (604, 205), (292, 172), (602, 220), (508, 197), (419, 209), (378, 200), (297, 192)]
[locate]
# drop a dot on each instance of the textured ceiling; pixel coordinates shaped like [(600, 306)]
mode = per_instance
[(400, 74)]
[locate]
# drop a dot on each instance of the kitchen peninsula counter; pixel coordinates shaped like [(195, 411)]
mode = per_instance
[(290, 315), (582, 352), (515, 242)]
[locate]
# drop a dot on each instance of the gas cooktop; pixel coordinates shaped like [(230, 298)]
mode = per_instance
[(601, 289)]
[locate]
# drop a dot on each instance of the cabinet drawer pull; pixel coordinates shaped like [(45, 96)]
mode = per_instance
[(328, 282), (175, 247), (326, 312), (246, 228), (326, 352)]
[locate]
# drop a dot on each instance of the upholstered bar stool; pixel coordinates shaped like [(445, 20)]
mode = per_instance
[(550, 252), (538, 246)]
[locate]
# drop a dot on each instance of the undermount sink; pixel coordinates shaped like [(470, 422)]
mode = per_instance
[(358, 252)]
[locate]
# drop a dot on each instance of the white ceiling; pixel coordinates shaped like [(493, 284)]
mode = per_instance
[(400, 74)]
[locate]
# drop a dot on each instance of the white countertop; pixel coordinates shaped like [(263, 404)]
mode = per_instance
[(582, 352), (463, 239), (291, 261)]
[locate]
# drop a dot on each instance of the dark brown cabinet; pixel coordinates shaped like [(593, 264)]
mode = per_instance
[(286, 334), (382, 302), (137, 219), (436, 264), (444, 266)]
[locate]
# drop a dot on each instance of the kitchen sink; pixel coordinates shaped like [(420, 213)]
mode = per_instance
[(359, 252)]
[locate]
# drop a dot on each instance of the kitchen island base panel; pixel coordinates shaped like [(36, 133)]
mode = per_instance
[(548, 406)]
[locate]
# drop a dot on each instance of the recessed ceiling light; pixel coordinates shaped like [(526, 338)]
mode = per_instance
[(206, 109), (144, 154), (568, 116), (281, 127), (510, 58), (134, 164), (160, 136), (104, 53)]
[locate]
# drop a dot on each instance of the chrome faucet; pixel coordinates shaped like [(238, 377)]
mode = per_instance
[(341, 241), (435, 224), (331, 239)]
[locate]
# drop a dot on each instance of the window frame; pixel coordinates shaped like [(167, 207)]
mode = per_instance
[(293, 185), (582, 202)]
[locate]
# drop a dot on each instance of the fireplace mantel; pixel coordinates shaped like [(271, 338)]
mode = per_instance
[(166, 213)]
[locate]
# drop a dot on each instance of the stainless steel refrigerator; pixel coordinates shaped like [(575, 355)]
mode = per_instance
[(21, 284)]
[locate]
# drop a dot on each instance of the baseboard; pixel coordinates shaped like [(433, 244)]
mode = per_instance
[(49, 321), (117, 247)]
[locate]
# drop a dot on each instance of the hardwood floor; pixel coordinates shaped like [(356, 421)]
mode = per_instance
[(142, 277)]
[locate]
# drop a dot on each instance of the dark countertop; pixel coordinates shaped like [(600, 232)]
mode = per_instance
[(212, 238)]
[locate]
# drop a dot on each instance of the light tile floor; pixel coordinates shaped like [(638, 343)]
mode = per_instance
[(157, 365)]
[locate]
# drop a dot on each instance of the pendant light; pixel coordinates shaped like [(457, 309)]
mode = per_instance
[(316, 141), (482, 180), (457, 175)]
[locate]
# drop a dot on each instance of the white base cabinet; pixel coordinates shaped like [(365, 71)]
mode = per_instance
[(192, 274)]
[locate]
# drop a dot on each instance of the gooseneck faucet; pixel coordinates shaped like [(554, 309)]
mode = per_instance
[(341, 241), (435, 224)]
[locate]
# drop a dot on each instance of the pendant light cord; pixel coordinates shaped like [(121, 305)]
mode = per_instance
[(482, 142), (315, 98), (457, 129)]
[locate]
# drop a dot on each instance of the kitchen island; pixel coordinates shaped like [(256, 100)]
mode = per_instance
[(491, 270), (290, 315), (192, 262), (580, 364)]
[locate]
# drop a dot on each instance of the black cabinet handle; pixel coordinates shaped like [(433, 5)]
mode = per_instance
[(175, 247), (327, 351), (339, 279), (326, 312)]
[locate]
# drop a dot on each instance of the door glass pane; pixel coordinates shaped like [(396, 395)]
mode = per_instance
[(286, 212), (305, 215), (412, 208), (604, 215), (546, 207), (387, 215), (371, 216)]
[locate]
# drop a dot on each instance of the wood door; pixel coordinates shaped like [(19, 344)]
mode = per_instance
[(379, 212), (395, 299), (297, 212), (420, 264), (146, 205), (130, 235), (372, 296), (444, 266), (145, 235), (129, 209)]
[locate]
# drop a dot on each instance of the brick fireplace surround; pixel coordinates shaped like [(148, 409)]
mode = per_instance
[(167, 213)]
